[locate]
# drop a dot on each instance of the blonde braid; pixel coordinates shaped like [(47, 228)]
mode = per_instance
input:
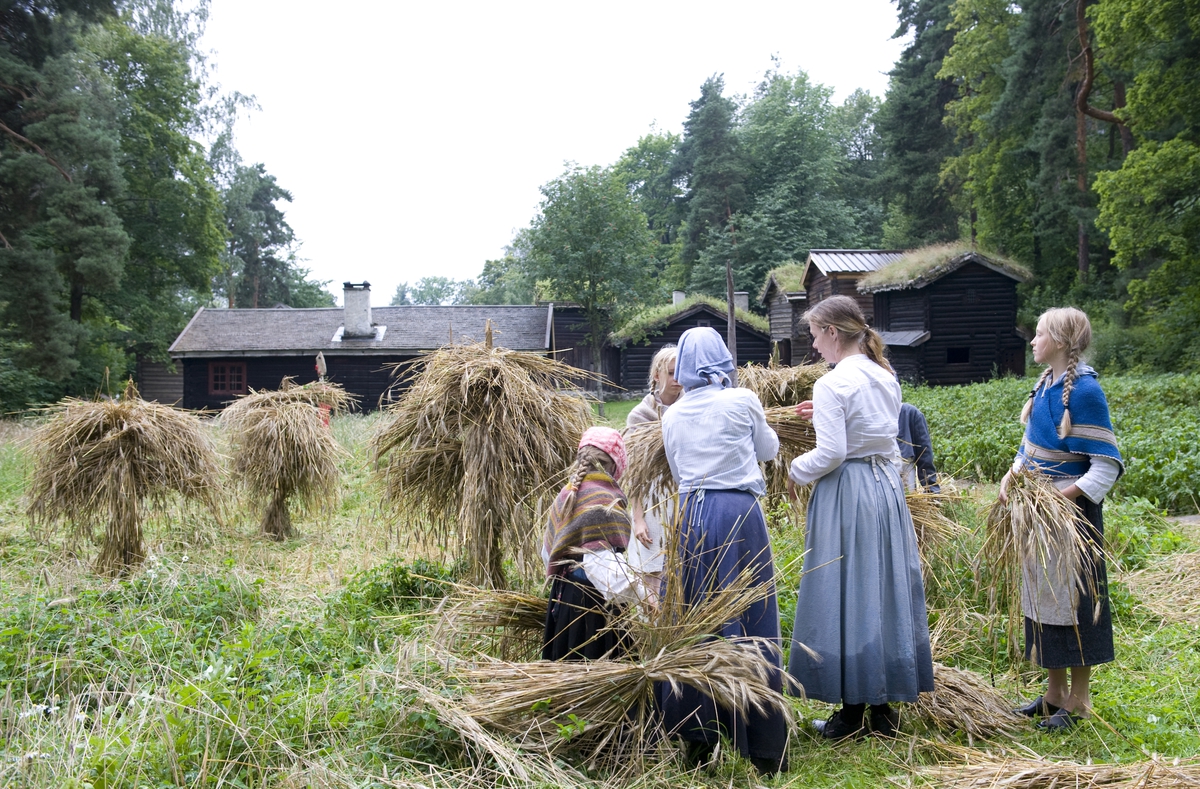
[(1064, 427), (1028, 409), (587, 460)]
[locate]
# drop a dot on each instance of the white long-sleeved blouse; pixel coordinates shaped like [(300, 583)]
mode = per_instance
[(856, 410)]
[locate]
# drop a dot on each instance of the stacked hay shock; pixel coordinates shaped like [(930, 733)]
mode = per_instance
[(479, 441), (111, 461), (284, 450)]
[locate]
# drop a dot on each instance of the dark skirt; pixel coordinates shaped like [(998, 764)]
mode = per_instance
[(577, 621), (1090, 642), (722, 533), (861, 603)]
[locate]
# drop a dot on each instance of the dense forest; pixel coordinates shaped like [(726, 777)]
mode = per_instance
[(1064, 135), (124, 204)]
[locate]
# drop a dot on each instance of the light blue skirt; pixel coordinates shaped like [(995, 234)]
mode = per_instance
[(861, 604)]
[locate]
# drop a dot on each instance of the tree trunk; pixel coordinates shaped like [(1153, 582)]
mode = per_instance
[(276, 521), (77, 302)]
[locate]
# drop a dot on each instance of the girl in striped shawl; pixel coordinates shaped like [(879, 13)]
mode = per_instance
[(1069, 438), (587, 534)]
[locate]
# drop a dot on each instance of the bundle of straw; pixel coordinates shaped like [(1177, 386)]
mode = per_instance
[(283, 449), (964, 701), (648, 468), (780, 386), (937, 533), (612, 700), (110, 460), (983, 770), (482, 437), (1038, 537), (1170, 587), (508, 625)]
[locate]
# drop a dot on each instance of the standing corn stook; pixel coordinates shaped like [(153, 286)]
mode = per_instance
[(861, 602), (715, 436), (474, 445), (1068, 438), (108, 461), (283, 449)]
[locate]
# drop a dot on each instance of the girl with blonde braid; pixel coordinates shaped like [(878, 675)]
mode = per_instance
[(587, 533), (1068, 437)]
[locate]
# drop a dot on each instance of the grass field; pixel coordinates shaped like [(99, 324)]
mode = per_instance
[(231, 661)]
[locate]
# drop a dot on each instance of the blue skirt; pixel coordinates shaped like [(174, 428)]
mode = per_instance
[(861, 603), (722, 533)]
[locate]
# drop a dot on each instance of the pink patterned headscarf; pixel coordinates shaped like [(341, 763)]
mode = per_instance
[(610, 441)]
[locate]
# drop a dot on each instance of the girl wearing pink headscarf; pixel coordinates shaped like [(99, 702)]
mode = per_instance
[(587, 534)]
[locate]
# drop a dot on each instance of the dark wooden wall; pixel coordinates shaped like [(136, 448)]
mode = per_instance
[(971, 310), (368, 377), (634, 369), (779, 313), (156, 383)]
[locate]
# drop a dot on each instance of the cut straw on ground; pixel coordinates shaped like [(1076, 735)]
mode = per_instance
[(986, 771), (1170, 587), (962, 700)]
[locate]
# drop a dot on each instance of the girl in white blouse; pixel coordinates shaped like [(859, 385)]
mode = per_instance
[(860, 612)]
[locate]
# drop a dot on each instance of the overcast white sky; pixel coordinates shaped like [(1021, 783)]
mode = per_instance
[(414, 136)]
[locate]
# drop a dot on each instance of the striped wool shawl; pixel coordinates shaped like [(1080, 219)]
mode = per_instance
[(1091, 431), (599, 520)]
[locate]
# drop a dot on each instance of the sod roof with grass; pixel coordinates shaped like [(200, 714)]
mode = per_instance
[(919, 267), (654, 320), (788, 278)]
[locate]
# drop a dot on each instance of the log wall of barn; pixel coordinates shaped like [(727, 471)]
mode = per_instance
[(972, 322), (370, 378), (635, 359)]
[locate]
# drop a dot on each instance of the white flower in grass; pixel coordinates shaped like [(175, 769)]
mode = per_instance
[(1151, 719), (81, 717), (184, 559)]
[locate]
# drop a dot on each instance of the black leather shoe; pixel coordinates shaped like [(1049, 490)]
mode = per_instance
[(1038, 708), (884, 720), (1059, 721), (837, 727)]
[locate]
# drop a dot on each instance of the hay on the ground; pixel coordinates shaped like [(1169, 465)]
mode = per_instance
[(982, 770), (481, 439), (964, 701), (284, 451), (109, 461), (1040, 531), (1170, 587)]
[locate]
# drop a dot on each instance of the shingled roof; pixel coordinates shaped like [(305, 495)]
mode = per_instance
[(398, 330)]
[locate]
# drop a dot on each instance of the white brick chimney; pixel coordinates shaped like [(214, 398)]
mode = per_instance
[(677, 297), (741, 300), (356, 309)]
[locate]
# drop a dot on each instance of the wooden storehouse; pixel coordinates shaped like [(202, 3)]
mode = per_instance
[(638, 340), (225, 352), (949, 314), (836, 272), (785, 301)]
